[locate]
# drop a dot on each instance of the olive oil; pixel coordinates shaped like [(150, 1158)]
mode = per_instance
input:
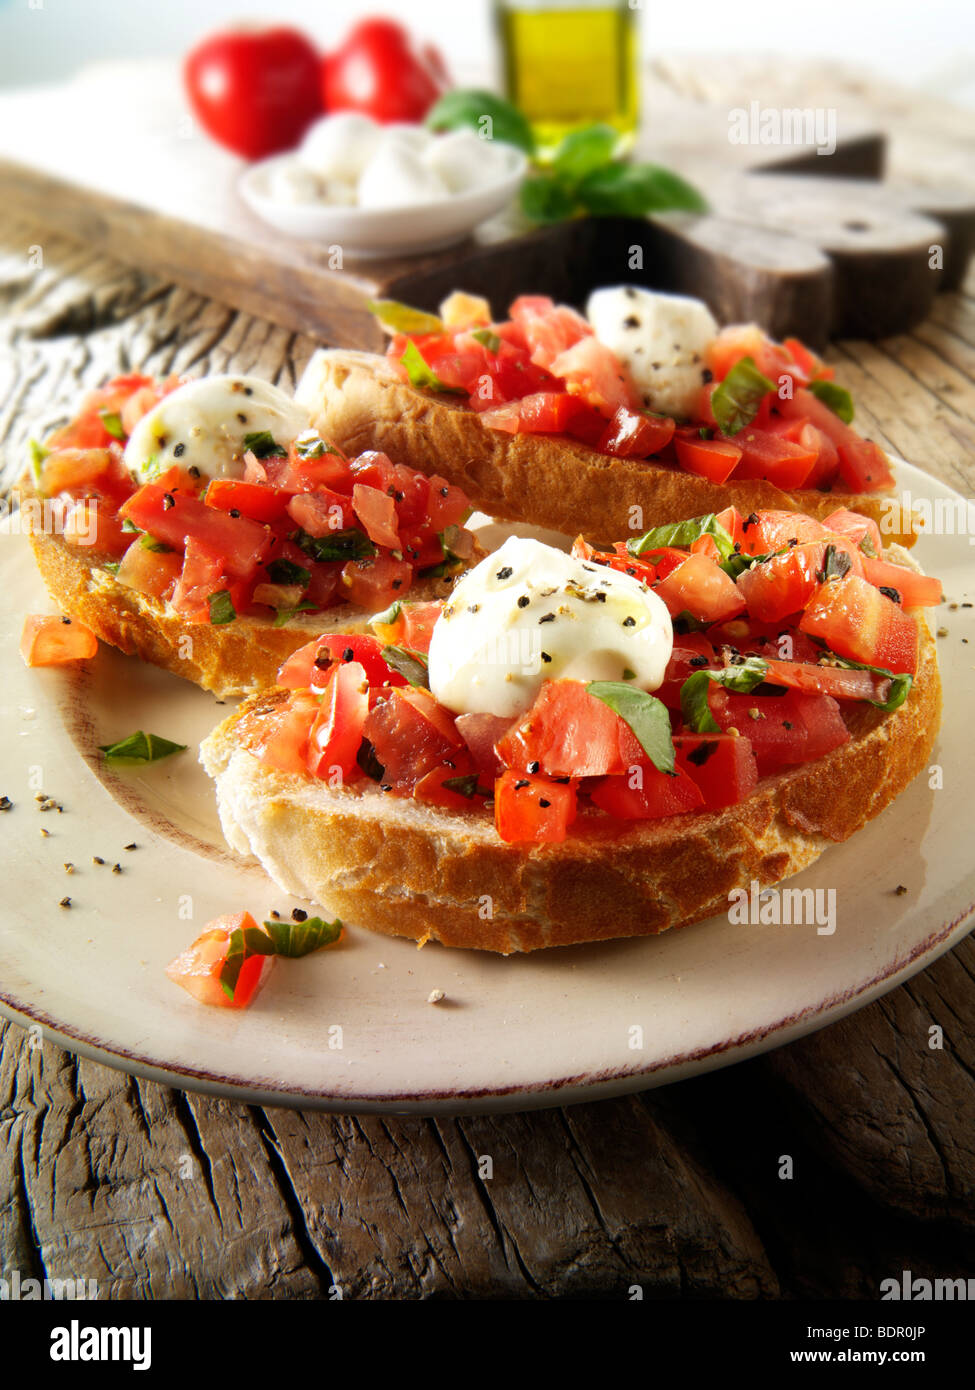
[(570, 64)]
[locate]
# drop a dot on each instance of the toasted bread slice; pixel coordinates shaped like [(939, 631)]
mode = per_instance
[(409, 869), (238, 658), (360, 403)]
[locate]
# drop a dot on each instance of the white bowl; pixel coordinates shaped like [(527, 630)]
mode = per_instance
[(384, 231)]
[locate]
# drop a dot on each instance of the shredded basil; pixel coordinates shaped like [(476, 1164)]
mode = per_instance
[(646, 716), (411, 665), (262, 445), (682, 534), (736, 401), (337, 545), (836, 397), (900, 684), (139, 749), (289, 939), (309, 445), (150, 543), (284, 615), (388, 616), (422, 376), (403, 318), (287, 572), (221, 607), (488, 339), (112, 423), (836, 563), (741, 679)]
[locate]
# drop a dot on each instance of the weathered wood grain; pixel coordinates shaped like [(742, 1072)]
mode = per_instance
[(159, 1194)]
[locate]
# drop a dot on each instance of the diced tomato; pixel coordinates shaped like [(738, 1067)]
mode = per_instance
[(774, 458), (203, 575), (529, 809), (431, 788), (721, 765), (322, 512), (376, 512), (692, 652), (569, 733), (172, 517), (549, 330), (374, 583), (323, 587), (279, 739), (855, 527), (481, 732), (47, 641), (258, 501), (828, 680), (84, 469), (784, 730), (785, 583), (592, 371), (150, 571), (857, 621), (412, 628), (91, 523), (544, 412), (701, 588), (706, 546), (733, 522), (773, 530), (807, 362), (714, 459), (309, 667), (916, 590), (337, 731), (446, 505), (634, 434), (645, 793), (197, 969), (411, 735), (410, 490), (296, 474), (863, 466)]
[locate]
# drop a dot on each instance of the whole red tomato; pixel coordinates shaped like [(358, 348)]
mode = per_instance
[(255, 91), (380, 71)]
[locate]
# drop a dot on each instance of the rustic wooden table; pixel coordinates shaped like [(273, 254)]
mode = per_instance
[(160, 1194)]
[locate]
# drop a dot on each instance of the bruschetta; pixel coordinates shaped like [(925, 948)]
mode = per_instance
[(206, 527), (579, 423), (575, 747)]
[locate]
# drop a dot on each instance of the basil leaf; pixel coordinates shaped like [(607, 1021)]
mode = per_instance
[(423, 377), (284, 615), (738, 562), (221, 607), (128, 525), (900, 684), (646, 716), (38, 454), (139, 749), (287, 572), (309, 445), (836, 397), (472, 108), (583, 151), (488, 339), (111, 565), (682, 534), (262, 445), (634, 190), (402, 318), (337, 545), (736, 401), (545, 198), (150, 543), (741, 679), (464, 786), (112, 423), (388, 616), (289, 939), (411, 665), (836, 563)]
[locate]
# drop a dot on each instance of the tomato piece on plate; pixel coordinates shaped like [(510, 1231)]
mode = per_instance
[(635, 434), (569, 733), (151, 572), (778, 460), (47, 641), (645, 793), (411, 734), (784, 730), (714, 459), (258, 501), (857, 621), (701, 588), (336, 734), (197, 969), (915, 590), (530, 809), (721, 765)]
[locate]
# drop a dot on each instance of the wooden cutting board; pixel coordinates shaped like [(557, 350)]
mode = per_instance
[(798, 242)]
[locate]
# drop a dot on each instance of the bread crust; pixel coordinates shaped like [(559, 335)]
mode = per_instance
[(238, 658), (546, 480), (405, 869)]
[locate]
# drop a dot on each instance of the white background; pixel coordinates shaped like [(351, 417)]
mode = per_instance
[(923, 43)]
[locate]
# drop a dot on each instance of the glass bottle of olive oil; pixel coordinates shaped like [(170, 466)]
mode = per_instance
[(571, 62)]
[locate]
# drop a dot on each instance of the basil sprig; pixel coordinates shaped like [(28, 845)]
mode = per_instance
[(682, 534), (139, 749), (309, 445), (422, 376), (646, 716), (475, 109), (403, 318), (736, 401), (836, 397), (742, 679), (290, 939)]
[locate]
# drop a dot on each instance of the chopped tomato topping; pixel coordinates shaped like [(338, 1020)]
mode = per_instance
[(645, 793), (722, 766), (857, 621), (533, 809)]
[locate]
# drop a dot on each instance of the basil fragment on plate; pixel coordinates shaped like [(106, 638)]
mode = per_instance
[(139, 749)]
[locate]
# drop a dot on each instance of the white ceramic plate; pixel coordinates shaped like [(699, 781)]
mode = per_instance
[(555, 1027), (384, 231)]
